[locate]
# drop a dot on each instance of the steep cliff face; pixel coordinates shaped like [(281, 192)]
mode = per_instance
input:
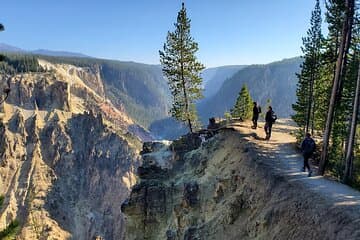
[(39, 90), (138, 88), (223, 189), (64, 172)]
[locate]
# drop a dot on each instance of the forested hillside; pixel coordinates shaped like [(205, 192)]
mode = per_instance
[(276, 81), (328, 90)]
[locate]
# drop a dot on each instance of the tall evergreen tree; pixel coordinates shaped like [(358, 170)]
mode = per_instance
[(335, 91), (349, 154), (338, 82), (334, 16), (182, 69), (351, 101), (310, 73), (243, 105)]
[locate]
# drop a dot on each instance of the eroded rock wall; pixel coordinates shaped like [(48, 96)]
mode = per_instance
[(65, 179), (39, 90), (67, 158), (222, 190)]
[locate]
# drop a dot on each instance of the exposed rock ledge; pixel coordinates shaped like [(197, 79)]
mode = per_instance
[(224, 189)]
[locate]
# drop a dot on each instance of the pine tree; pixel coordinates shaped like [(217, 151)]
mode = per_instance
[(334, 16), (182, 69), (326, 96), (243, 105), (310, 73), (351, 98), (349, 154), (338, 82)]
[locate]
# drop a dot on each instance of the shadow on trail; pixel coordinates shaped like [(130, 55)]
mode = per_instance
[(286, 161)]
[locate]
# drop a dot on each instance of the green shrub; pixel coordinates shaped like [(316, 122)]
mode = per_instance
[(10, 232), (1, 200)]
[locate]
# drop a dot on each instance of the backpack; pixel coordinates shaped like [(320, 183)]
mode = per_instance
[(259, 109), (308, 145), (273, 117)]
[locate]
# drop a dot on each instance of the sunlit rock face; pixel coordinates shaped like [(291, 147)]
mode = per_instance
[(67, 156)]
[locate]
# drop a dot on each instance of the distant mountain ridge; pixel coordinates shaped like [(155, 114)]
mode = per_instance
[(276, 81), (8, 48), (12, 49), (214, 77)]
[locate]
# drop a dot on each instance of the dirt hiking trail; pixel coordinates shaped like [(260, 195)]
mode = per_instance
[(280, 154)]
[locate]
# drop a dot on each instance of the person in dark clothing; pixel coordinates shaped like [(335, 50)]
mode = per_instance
[(256, 111), (213, 124), (307, 147), (270, 118)]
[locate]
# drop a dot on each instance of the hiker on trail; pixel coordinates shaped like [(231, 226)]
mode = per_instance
[(213, 124), (270, 118), (307, 147), (256, 111)]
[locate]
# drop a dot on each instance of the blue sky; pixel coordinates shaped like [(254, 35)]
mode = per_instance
[(228, 31)]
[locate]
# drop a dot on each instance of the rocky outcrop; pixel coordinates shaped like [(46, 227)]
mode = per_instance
[(90, 76), (67, 178), (41, 91), (67, 158), (221, 189)]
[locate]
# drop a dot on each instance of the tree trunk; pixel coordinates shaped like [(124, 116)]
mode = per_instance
[(190, 125), (183, 82), (186, 99), (351, 140), (347, 46), (337, 84), (310, 101), (185, 96), (313, 94), (313, 117)]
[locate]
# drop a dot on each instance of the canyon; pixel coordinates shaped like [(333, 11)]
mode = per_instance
[(67, 155)]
